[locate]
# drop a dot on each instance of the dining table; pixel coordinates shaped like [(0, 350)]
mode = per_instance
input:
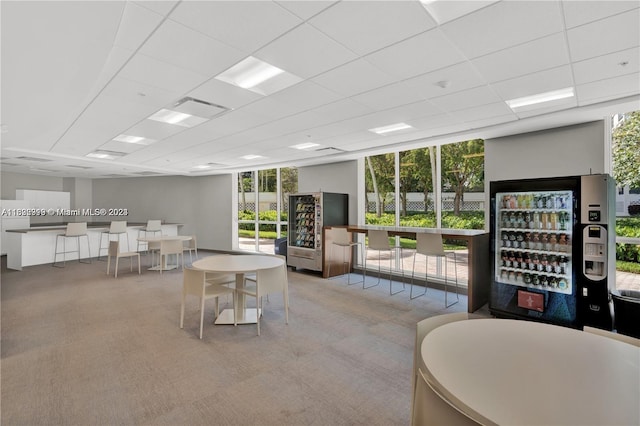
[(514, 372), (240, 265)]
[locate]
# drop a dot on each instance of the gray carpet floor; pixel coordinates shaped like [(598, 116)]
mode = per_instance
[(82, 348)]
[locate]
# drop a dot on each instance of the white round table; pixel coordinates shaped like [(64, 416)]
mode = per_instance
[(239, 265), (511, 372)]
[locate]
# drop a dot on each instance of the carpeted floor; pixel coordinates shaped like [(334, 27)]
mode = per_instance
[(82, 348)]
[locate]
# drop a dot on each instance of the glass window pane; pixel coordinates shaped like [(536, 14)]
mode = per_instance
[(246, 211), (417, 168), (380, 189), (463, 185), (289, 185)]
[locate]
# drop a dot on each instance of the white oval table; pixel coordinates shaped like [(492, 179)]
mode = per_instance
[(510, 372), (239, 265)]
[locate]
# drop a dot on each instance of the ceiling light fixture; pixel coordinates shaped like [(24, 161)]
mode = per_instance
[(391, 128), (539, 98), (258, 76), (106, 155), (306, 145), (251, 157), (139, 140)]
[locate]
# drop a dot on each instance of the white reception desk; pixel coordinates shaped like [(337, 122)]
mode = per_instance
[(36, 245)]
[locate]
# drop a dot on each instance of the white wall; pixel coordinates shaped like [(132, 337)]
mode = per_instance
[(336, 177), (565, 151), (202, 204), (13, 181)]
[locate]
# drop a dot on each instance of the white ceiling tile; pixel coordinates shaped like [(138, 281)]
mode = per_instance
[(153, 130), (607, 66), (245, 25), (160, 74), (491, 121), (389, 96), (477, 96), (305, 96), (162, 7), (504, 24), (455, 78), (540, 82), (445, 11), (611, 88), (544, 53), (578, 12), (365, 26), (136, 25), (497, 109), (423, 53), (342, 110), (181, 46), (353, 78), (305, 52), (305, 9), (605, 36), (220, 93)]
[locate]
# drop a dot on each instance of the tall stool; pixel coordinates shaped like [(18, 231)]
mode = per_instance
[(379, 241), (153, 227), (117, 227), (342, 241), (429, 244), (74, 230)]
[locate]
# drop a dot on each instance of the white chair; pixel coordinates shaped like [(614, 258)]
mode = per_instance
[(118, 228), (343, 242), (273, 280), (154, 227), (612, 335), (430, 245), (74, 230), (192, 247), (379, 241), (169, 248), (114, 251), (206, 286), (427, 406)]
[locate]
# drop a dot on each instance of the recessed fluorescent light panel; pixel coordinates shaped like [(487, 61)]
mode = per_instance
[(251, 157), (138, 140), (391, 128), (306, 145), (106, 155), (541, 98), (258, 76), (178, 118)]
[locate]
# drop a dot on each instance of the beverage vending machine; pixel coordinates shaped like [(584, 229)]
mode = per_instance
[(553, 249)]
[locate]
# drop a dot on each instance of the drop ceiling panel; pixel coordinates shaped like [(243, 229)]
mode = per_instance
[(353, 78), (136, 25), (342, 110), (183, 47), (462, 76), (152, 129), (156, 73), (605, 36), (379, 23), (445, 11), (390, 96), (497, 109), (305, 96), (162, 7), (245, 25), (608, 89), (582, 12), (218, 92), (475, 97), (511, 23), (544, 53), (305, 52), (540, 82), (420, 54), (306, 9), (607, 66)]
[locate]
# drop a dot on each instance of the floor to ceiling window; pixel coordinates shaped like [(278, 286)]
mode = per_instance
[(263, 197), (430, 187)]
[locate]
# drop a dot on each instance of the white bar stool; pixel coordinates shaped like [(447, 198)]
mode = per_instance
[(428, 244), (379, 241), (74, 230), (153, 227)]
